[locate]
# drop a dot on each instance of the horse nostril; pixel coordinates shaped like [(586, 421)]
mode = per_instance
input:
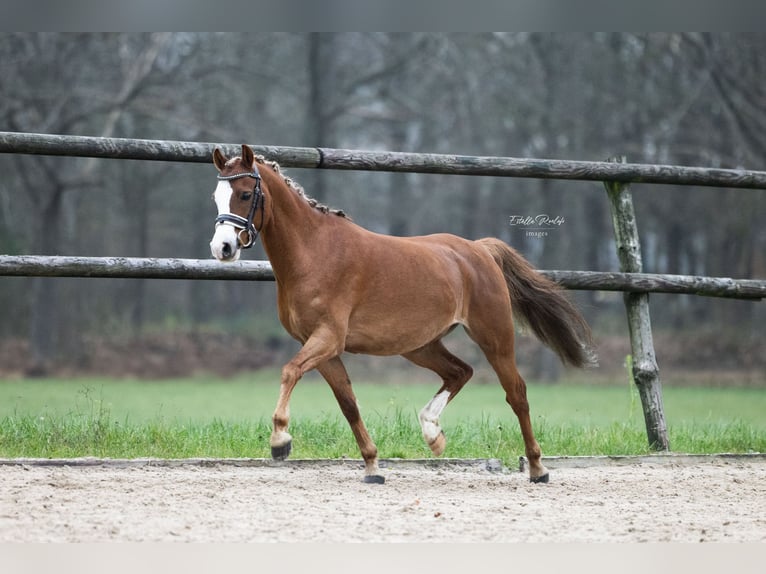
[(226, 250)]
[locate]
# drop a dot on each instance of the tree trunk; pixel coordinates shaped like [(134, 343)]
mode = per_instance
[(316, 120), (44, 312), (139, 201), (398, 206)]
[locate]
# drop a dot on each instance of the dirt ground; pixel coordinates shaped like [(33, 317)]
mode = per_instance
[(716, 500)]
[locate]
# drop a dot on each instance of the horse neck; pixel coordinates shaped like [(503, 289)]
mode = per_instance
[(290, 228)]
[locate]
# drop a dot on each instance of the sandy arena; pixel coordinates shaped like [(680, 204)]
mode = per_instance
[(720, 499)]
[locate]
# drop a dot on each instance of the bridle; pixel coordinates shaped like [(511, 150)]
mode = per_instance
[(240, 223)]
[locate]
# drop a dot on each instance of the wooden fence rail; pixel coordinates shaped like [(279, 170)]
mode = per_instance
[(342, 159), (151, 268)]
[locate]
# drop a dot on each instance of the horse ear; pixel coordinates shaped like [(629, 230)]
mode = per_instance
[(248, 158), (219, 159)]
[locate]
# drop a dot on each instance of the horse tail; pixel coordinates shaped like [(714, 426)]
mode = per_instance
[(542, 305)]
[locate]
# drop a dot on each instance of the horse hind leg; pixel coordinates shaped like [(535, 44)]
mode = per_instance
[(516, 397), (454, 373), (496, 339), (334, 372), (515, 388)]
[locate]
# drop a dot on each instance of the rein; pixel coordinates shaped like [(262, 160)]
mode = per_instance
[(240, 223)]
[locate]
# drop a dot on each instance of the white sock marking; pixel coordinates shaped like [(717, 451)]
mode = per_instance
[(429, 416)]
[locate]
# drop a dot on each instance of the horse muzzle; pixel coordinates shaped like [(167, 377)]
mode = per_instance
[(226, 245)]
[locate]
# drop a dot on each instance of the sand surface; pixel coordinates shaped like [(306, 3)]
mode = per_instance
[(719, 500)]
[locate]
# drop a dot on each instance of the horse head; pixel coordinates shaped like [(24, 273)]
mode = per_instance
[(238, 197)]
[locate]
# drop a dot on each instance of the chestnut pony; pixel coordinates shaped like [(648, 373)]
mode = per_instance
[(343, 288)]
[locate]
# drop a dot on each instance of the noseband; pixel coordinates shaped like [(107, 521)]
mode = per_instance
[(240, 223)]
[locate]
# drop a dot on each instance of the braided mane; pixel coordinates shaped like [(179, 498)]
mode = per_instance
[(295, 186)]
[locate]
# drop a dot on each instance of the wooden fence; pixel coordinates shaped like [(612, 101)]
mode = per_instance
[(173, 268), (342, 159), (616, 175)]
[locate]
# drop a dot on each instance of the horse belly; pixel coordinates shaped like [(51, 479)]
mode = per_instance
[(392, 341), (397, 327)]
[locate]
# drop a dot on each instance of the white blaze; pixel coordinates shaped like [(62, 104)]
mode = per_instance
[(224, 234), (222, 196)]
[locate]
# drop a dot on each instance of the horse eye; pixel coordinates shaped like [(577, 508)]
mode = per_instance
[(246, 195)]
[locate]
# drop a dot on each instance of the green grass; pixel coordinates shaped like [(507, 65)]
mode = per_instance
[(205, 417)]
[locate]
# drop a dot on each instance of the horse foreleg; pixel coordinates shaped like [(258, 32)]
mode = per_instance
[(322, 345), (334, 372), (454, 373)]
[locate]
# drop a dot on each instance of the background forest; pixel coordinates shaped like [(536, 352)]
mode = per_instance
[(689, 99)]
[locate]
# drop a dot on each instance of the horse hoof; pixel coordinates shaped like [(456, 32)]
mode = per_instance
[(438, 444), (374, 479), (281, 452), (540, 479)]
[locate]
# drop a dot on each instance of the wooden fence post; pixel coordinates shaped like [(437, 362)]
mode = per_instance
[(646, 374)]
